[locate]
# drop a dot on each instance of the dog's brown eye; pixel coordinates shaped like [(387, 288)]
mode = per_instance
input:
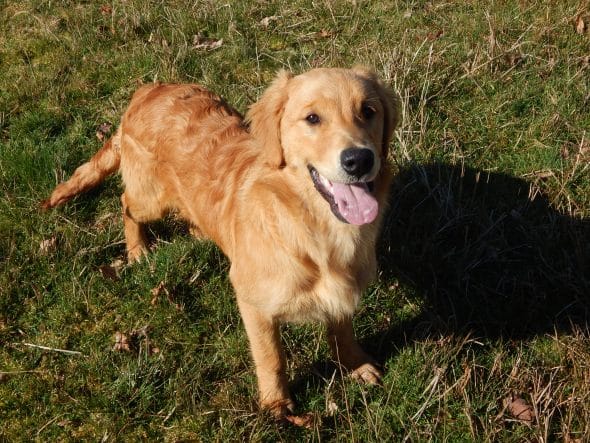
[(368, 111), (313, 119)]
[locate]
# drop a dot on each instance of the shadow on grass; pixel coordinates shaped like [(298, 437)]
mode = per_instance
[(484, 256), (487, 257)]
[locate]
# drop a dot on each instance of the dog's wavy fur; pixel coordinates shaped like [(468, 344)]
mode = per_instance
[(246, 185)]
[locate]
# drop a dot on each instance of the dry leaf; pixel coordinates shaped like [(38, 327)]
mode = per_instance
[(393, 286), (156, 292), (106, 10), (121, 342), (103, 130), (434, 35), (565, 152), (161, 289), (580, 25), (108, 271), (112, 271), (332, 408), (47, 246), (134, 341), (118, 264), (206, 43), (266, 21), (514, 58), (519, 409)]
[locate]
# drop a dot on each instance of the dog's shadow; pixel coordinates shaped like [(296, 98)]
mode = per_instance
[(486, 254), (483, 253)]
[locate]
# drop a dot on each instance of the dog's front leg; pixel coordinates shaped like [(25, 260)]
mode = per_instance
[(349, 354), (269, 359)]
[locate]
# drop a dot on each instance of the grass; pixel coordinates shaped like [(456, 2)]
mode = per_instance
[(484, 288)]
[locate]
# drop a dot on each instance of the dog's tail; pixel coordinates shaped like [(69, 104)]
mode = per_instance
[(104, 163)]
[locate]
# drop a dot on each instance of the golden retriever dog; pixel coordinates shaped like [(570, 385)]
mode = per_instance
[(294, 196)]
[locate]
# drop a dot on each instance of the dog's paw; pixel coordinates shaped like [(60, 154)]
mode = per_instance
[(279, 408), (283, 411), (136, 253), (307, 420), (367, 373)]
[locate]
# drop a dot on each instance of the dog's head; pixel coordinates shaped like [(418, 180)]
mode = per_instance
[(334, 123)]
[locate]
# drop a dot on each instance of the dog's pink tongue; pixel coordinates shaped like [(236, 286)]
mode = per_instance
[(355, 203)]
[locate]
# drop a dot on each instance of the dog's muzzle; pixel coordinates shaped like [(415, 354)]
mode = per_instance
[(352, 203)]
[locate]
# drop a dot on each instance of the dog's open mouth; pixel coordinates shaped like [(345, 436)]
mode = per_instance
[(352, 203)]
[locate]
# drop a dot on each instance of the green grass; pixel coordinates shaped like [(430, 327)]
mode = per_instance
[(484, 289)]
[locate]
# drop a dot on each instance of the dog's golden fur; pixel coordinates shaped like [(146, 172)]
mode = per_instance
[(248, 187)]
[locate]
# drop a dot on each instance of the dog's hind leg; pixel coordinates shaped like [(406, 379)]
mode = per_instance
[(135, 240)]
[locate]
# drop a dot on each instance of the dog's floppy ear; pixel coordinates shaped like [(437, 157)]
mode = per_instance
[(392, 114), (264, 118), (391, 106)]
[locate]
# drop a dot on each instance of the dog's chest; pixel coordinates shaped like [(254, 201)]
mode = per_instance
[(327, 283), (295, 261)]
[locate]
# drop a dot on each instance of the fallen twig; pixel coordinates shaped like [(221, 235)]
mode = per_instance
[(46, 348), (31, 371)]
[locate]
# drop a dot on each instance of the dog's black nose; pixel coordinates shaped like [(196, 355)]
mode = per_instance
[(357, 161)]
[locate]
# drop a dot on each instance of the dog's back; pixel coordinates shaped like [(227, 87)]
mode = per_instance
[(183, 149), (179, 148)]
